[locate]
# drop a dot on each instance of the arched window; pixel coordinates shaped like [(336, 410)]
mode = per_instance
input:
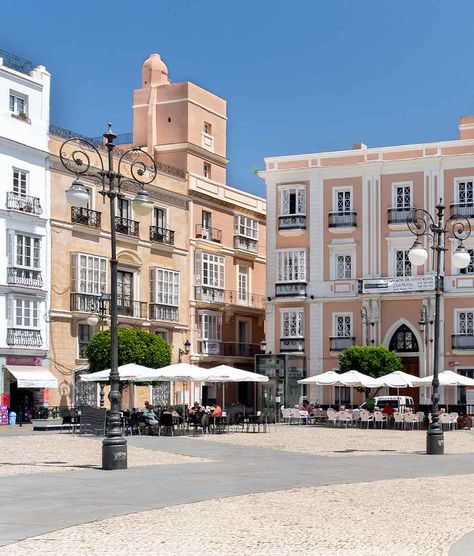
[(403, 340)]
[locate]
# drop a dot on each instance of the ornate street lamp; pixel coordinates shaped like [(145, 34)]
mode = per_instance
[(185, 351), (135, 168), (421, 223)]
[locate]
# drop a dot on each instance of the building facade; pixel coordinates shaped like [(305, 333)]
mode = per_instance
[(24, 229), (338, 272)]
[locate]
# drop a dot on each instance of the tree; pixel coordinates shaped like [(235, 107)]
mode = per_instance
[(374, 361), (134, 346)]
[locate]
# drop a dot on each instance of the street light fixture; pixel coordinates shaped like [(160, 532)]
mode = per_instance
[(421, 223), (185, 351), (134, 168)]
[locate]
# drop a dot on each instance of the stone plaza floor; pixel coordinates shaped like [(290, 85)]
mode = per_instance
[(295, 490)]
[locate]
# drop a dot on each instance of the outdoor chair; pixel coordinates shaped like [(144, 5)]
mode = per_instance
[(421, 418), (343, 417), (331, 415), (285, 415), (445, 420), (379, 420), (67, 422), (132, 425), (271, 419), (410, 421), (166, 424), (398, 420), (365, 418), (454, 419)]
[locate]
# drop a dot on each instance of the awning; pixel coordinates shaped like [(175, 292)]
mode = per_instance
[(32, 377)]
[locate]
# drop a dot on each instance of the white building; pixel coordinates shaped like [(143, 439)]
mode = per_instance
[(24, 229)]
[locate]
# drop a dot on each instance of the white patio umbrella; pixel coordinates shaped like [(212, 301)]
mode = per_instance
[(355, 379), (127, 372), (329, 378), (446, 378), (224, 373), (397, 379), (180, 372)]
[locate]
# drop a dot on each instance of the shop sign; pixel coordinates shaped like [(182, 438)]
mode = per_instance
[(25, 360), (400, 284)]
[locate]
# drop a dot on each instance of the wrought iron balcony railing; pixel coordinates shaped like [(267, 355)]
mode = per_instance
[(24, 337), (340, 343), (290, 289), (16, 63), (128, 307), (86, 302), (23, 203), (161, 235), (127, 226), (210, 347), (163, 312), (212, 234), (398, 215), (244, 299), (342, 219), (18, 276), (207, 293), (87, 217), (295, 222), (227, 349), (462, 341), (245, 244), (466, 209), (292, 344)]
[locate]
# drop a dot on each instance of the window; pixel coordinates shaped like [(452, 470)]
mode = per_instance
[(402, 263), (206, 219), (292, 200), (207, 128), (402, 195), (89, 274), (292, 323), (163, 334), (26, 313), (243, 285), (159, 216), (84, 334), (403, 340), (343, 201), (470, 267), (343, 326), (20, 182), (245, 226), (24, 251), (209, 325), (206, 170), (465, 322), (343, 267), (465, 193), (164, 286), (291, 266), (123, 208), (212, 270), (18, 103)]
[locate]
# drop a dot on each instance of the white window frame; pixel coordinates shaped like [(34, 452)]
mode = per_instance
[(16, 97), (243, 299), (165, 212), (458, 312), (35, 307), (299, 270), (168, 293), (397, 184), (13, 247), (457, 182), (26, 175), (246, 227), (300, 192), (207, 170), (335, 317), (216, 269), (100, 272), (286, 315), (214, 328), (336, 266), (395, 256), (335, 192)]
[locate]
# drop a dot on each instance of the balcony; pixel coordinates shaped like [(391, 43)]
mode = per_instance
[(292, 344), (211, 234), (342, 220), (128, 307), (296, 289), (86, 217), (228, 349), (341, 343), (26, 277), (398, 215), (163, 312), (206, 293), (161, 235), (462, 341), (245, 244), (23, 203), (210, 347), (295, 222), (23, 337), (126, 226), (86, 302), (244, 299), (464, 209)]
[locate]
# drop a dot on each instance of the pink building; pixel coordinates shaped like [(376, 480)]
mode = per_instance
[(338, 271)]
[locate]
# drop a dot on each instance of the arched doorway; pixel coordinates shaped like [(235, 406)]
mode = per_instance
[(405, 343)]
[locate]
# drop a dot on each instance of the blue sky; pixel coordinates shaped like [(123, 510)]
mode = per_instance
[(299, 76)]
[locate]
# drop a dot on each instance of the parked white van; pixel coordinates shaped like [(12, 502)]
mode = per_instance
[(399, 403)]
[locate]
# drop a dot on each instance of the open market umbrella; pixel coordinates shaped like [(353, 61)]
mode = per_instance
[(397, 379), (355, 379), (224, 373), (127, 373), (446, 378), (329, 378)]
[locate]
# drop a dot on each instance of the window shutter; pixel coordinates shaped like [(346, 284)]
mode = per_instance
[(11, 247), (74, 272)]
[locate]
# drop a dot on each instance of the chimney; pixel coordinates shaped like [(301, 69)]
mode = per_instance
[(466, 127), (359, 146)]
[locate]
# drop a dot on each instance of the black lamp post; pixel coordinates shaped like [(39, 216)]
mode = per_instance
[(365, 321), (421, 223), (135, 168)]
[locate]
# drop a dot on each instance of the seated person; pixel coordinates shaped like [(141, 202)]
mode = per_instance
[(216, 410), (310, 407), (388, 410), (149, 414), (196, 408)]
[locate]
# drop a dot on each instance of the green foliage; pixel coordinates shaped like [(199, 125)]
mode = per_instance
[(374, 361), (134, 346)]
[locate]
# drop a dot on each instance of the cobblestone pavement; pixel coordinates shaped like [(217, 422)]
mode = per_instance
[(250, 500)]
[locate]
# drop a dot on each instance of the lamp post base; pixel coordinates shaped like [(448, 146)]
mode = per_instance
[(114, 453), (435, 441)]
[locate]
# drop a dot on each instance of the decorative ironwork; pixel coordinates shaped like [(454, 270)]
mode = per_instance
[(342, 219), (85, 302), (244, 299), (206, 293), (87, 217), (161, 394), (212, 234), (18, 276), (462, 341), (22, 337), (161, 235), (292, 344), (404, 340), (421, 223), (126, 226), (239, 349), (246, 244), (296, 289), (341, 343), (295, 222), (16, 63), (163, 312), (128, 307), (398, 215), (85, 393), (23, 203), (466, 210)]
